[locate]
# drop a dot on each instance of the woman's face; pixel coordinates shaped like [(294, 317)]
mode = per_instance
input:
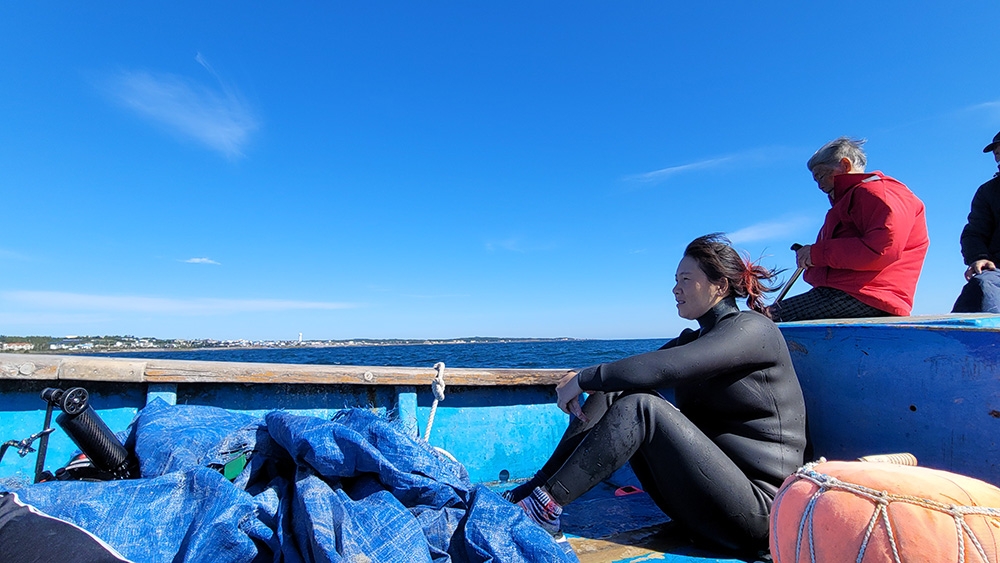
[(695, 295)]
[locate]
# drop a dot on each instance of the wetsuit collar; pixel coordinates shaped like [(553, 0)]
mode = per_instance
[(842, 183), (721, 309)]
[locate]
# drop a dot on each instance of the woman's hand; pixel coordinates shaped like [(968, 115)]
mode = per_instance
[(568, 393)]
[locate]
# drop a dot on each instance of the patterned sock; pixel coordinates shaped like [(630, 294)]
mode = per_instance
[(518, 493), (544, 511)]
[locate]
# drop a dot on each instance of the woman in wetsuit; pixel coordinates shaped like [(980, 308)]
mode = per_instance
[(713, 462)]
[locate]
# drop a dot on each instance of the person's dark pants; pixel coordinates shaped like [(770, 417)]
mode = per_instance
[(684, 472), (980, 295), (822, 303)]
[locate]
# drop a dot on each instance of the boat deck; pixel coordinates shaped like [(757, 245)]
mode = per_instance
[(605, 527)]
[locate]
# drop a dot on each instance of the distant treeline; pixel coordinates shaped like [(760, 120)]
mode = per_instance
[(44, 343), (85, 343)]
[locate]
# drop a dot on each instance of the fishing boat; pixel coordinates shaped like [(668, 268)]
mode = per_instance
[(929, 386)]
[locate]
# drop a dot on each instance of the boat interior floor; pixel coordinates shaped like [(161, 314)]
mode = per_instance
[(612, 524)]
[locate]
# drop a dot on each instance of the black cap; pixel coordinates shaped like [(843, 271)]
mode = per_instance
[(993, 145)]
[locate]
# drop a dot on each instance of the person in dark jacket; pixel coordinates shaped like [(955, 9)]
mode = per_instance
[(712, 460), (981, 246)]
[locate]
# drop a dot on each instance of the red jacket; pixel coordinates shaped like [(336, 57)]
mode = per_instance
[(873, 242)]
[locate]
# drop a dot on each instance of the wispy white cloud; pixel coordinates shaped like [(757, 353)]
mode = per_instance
[(750, 157), (981, 114), (516, 244), (215, 116), (665, 173), (771, 230), (510, 245), (46, 319), (992, 108), (10, 255), (76, 302), (201, 261)]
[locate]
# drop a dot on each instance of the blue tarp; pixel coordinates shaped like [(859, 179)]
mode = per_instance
[(352, 489)]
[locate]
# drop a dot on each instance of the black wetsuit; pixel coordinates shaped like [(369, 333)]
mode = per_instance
[(29, 536), (714, 462)]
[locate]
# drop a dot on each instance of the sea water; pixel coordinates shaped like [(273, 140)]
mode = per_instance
[(556, 354)]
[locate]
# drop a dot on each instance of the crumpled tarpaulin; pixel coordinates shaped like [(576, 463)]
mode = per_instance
[(352, 489)]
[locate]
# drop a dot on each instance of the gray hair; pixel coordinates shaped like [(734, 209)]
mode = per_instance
[(844, 147)]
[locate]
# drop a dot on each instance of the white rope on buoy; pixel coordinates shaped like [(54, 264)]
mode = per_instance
[(437, 386), (881, 501)]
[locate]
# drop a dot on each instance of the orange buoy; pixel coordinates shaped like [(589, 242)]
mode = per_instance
[(865, 512)]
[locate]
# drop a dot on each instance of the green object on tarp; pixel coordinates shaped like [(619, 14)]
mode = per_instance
[(234, 467)]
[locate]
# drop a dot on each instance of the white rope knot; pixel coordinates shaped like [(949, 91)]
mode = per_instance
[(437, 386)]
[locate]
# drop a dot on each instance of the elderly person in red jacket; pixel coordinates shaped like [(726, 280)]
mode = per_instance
[(867, 257)]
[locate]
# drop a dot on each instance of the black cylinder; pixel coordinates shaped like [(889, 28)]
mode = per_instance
[(83, 425), (95, 439)]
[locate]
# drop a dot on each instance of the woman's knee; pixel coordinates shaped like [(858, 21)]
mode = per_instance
[(643, 400), (640, 406), (657, 417)]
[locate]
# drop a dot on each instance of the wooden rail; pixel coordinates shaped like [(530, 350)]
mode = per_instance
[(90, 368)]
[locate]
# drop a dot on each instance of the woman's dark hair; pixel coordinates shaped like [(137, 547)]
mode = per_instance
[(719, 260)]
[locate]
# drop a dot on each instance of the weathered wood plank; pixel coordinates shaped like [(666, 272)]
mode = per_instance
[(103, 369), (24, 366), (350, 375), (89, 368)]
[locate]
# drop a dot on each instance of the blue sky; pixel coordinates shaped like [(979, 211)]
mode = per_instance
[(436, 170)]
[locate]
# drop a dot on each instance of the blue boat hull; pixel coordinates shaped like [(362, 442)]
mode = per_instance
[(499, 434), (927, 386), (930, 387)]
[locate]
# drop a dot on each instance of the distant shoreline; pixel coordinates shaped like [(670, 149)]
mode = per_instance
[(317, 345)]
